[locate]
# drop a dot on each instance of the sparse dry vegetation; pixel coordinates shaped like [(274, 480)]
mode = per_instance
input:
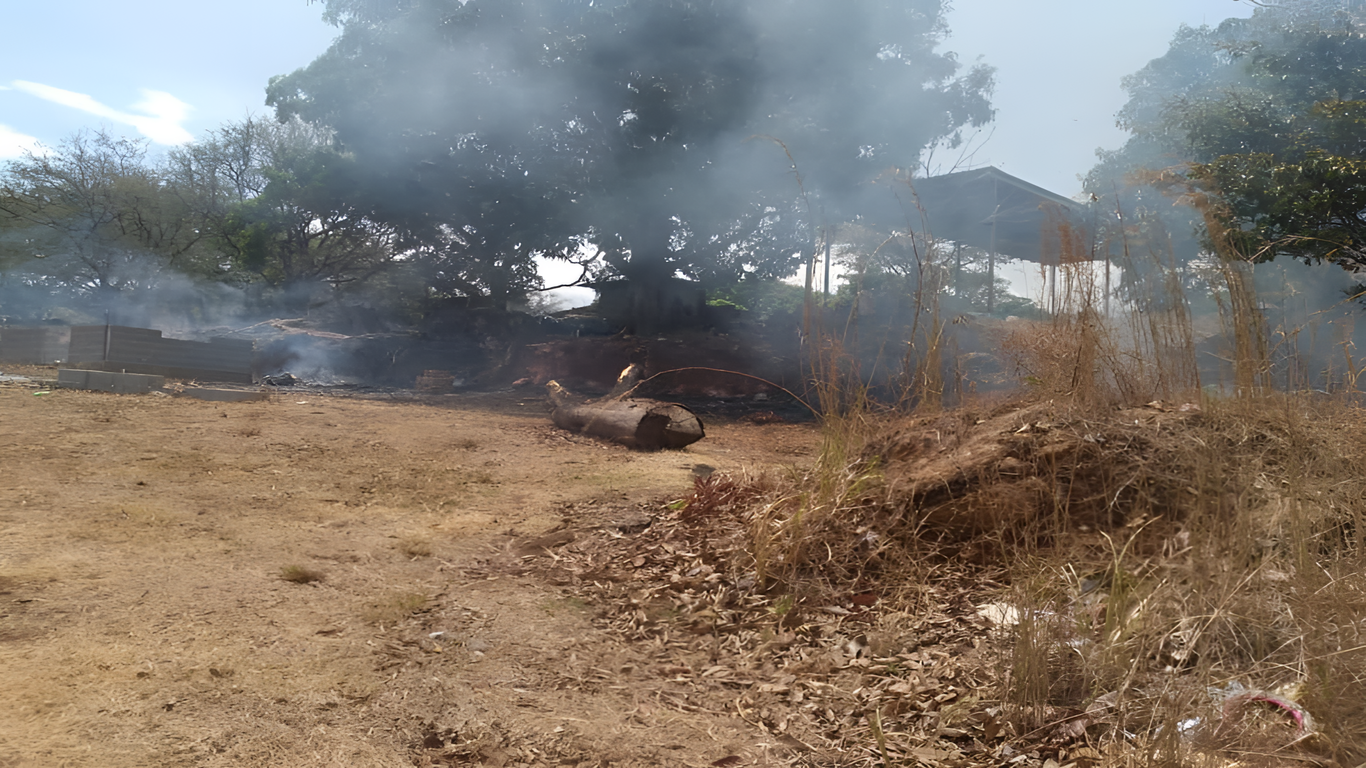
[(393, 607), (1170, 575), (1115, 566), (144, 620), (1147, 555), (415, 545), (300, 574)]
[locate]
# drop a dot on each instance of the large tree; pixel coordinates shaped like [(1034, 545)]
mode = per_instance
[(1263, 119), (651, 132)]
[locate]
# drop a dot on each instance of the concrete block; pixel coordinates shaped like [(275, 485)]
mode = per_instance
[(223, 395), (143, 350), (33, 345), (105, 381)]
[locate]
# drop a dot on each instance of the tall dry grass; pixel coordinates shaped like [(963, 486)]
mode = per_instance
[(1165, 633), (1168, 640), (800, 537), (1258, 586)]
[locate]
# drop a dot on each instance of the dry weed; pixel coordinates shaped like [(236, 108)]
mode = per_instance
[(1251, 587), (390, 608), (300, 574), (415, 546), (1169, 572)]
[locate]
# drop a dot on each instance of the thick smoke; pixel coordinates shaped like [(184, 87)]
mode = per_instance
[(1312, 333), (710, 140)]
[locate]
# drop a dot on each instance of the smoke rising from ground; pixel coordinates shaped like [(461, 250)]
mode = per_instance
[(668, 135), (457, 143)]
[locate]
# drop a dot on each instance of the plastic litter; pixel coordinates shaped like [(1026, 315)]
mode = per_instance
[(1237, 704), (1237, 700)]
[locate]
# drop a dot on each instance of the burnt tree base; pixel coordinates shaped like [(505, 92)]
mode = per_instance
[(644, 424)]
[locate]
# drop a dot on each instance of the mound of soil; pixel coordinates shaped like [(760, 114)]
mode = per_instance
[(966, 473)]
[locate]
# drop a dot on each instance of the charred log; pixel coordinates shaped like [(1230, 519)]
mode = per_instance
[(644, 424)]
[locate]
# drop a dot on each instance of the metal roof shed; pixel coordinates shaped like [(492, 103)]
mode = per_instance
[(989, 209)]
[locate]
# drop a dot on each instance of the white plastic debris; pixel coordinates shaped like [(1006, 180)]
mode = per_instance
[(1000, 614)]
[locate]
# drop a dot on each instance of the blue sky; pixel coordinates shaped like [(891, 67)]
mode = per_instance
[(1059, 65), (167, 70), (164, 70)]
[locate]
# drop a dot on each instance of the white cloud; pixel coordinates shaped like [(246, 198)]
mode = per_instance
[(14, 143), (161, 119)]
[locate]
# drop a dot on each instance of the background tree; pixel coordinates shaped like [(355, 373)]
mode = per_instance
[(451, 115), (281, 204), (1263, 118), (93, 217)]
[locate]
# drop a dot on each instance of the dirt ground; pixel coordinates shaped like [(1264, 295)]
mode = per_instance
[(145, 617)]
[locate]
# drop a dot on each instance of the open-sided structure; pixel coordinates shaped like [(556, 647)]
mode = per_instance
[(1003, 215), (989, 209)]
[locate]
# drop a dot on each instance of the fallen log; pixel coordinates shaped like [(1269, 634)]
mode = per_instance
[(645, 424)]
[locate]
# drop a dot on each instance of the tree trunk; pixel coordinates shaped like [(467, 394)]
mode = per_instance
[(645, 424)]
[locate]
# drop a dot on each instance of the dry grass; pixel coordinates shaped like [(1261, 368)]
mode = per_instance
[(1256, 586), (392, 607), (415, 545), (1167, 573), (300, 574), (125, 581), (1180, 573)]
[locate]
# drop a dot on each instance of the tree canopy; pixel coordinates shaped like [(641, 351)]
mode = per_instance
[(94, 216), (440, 148), (651, 132), (1262, 118), (279, 201)]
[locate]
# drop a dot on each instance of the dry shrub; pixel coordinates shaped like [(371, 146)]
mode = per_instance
[(1095, 358), (390, 608), (1025, 470), (1250, 581), (719, 496), (301, 574), (1170, 568), (1159, 560), (415, 546), (820, 530)]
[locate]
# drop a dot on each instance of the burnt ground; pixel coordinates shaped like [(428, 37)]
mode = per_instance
[(145, 617)]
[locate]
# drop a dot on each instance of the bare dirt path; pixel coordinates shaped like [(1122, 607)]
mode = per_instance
[(144, 620)]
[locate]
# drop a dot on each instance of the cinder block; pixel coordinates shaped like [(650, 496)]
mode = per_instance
[(223, 395), (33, 346), (104, 381), (143, 350)]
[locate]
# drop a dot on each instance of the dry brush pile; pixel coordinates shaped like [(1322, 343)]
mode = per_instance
[(1033, 581)]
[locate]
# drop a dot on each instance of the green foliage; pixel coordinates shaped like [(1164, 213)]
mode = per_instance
[(95, 216), (281, 203), (499, 130), (1264, 118), (1310, 206), (766, 300)]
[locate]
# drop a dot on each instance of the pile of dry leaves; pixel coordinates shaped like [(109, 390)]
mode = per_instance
[(901, 628)]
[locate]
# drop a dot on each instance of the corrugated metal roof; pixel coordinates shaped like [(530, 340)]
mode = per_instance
[(988, 208)]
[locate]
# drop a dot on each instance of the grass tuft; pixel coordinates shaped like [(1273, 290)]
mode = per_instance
[(390, 608), (415, 546), (300, 574)]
